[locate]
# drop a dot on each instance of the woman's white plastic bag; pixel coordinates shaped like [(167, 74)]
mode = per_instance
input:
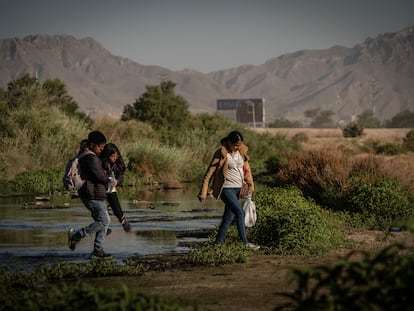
[(250, 215)]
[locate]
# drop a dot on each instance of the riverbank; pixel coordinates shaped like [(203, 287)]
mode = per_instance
[(253, 285)]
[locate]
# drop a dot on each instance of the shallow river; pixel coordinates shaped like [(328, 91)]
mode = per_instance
[(34, 231)]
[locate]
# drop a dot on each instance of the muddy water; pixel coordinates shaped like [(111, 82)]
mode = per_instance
[(33, 229)]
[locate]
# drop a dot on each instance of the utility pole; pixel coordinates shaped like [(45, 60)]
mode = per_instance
[(373, 95), (254, 116)]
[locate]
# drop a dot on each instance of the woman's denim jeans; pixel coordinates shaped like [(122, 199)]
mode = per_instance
[(99, 213), (232, 208)]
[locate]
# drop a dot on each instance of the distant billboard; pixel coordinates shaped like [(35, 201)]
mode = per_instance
[(249, 111)]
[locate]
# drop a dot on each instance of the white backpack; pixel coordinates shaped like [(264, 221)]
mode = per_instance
[(72, 179)]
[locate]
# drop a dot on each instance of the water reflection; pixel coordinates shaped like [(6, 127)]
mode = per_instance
[(33, 232)]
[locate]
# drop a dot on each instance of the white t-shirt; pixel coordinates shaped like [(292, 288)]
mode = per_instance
[(234, 178)]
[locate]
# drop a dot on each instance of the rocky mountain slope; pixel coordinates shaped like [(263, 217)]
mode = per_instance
[(377, 74)]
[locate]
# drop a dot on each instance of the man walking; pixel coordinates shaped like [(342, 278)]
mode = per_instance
[(93, 196)]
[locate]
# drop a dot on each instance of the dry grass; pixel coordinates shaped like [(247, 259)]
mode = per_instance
[(333, 138), (402, 166)]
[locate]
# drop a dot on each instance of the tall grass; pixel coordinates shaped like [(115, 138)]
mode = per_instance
[(126, 132), (321, 175), (41, 138), (363, 185), (154, 161)]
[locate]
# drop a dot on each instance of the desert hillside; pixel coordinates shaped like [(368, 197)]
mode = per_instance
[(374, 75)]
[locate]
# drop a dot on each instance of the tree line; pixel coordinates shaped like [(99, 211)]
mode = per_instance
[(324, 119)]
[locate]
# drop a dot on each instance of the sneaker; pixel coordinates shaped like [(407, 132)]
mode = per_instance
[(100, 255), (71, 239), (125, 224), (253, 247)]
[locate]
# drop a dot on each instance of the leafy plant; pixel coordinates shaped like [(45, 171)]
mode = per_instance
[(159, 106), (225, 253), (381, 281), (390, 149), (408, 141), (291, 224), (284, 123), (403, 119), (353, 129), (381, 201), (80, 296), (37, 182)]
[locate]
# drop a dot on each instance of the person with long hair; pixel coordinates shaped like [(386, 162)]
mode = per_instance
[(229, 169), (115, 167)]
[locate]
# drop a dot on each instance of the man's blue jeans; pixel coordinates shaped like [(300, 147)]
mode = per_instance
[(232, 209), (99, 213)]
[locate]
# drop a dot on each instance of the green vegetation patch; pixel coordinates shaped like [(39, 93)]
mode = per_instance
[(288, 223), (152, 160), (381, 202), (381, 281), (81, 296), (58, 287), (224, 253)]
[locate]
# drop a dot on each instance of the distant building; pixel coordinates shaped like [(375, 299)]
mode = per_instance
[(249, 111)]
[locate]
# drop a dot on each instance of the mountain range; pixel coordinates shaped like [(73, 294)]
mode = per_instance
[(375, 75)]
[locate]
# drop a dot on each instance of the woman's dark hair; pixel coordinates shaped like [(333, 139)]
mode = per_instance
[(110, 149), (233, 137), (83, 145)]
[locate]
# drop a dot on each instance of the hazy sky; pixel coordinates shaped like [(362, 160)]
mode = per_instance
[(207, 35)]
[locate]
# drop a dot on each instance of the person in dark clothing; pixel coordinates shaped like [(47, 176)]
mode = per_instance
[(115, 167), (93, 196)]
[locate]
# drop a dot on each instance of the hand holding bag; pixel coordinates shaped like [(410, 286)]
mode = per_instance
[(244, 191), (249, 208)]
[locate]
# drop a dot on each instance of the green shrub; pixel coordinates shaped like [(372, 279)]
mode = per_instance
[(300, 137), (226, 253), (408, 140), (273, 164), (265, 145), (353, 129), (390, 149), (381, 201), (57, 287), (82, 296), (35, 182), (291, 224), (381, 281)]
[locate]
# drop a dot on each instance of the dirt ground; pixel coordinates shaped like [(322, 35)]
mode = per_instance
[(244, 286)]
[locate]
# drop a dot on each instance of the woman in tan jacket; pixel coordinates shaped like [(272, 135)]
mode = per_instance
[(229, 170)]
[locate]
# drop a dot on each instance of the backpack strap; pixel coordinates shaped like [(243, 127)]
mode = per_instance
[(85, 153)]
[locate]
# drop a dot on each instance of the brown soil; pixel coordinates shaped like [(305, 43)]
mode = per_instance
[(244, 286)]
